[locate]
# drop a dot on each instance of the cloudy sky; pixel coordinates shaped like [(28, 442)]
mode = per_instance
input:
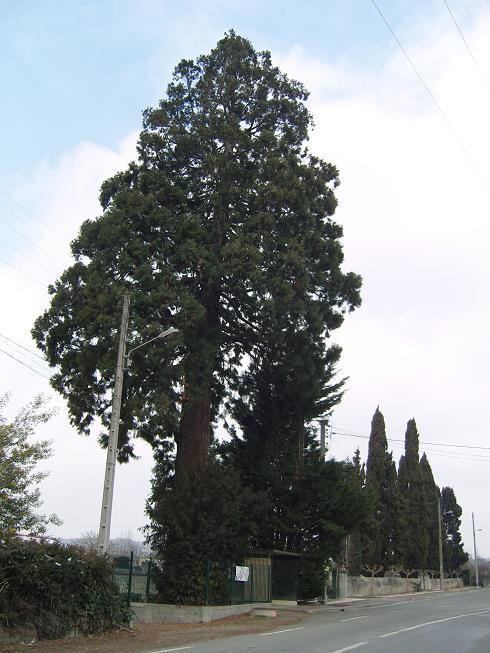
[(413, 201)]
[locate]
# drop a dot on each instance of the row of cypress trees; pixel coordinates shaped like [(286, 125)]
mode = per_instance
[(402, 531)]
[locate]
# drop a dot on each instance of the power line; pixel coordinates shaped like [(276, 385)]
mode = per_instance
[(22, 272), (31, 226), (434, 444), (32, 361), (22, 347), (482, 77), (32, 357), (19, 251), (33, 215), (30, 240), (456, 455), (24, 364), (436, 104)]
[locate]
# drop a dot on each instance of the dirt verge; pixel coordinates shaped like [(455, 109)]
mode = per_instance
[(154, 637)]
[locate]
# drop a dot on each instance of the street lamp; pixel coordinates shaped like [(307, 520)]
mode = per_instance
[(474, 549), (122, 363), (168, 332)]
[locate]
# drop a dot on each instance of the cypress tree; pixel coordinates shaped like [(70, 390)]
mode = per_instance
[(454, 555), (431, 494), (357, 542), (411, 484), (381, 483)]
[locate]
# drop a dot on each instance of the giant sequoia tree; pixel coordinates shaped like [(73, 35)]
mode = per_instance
[(223, 224)]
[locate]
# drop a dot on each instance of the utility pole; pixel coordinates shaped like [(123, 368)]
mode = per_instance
[(323, 423), (474, 548), (106, 509), (347, 542), (441, 567)]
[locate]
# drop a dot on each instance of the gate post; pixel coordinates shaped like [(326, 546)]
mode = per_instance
[(342, 587)]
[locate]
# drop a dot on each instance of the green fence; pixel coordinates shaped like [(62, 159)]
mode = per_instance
[(135, 580), (224, 583), (234, 583)]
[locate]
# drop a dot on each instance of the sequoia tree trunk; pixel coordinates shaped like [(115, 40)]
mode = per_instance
[(194, 434)]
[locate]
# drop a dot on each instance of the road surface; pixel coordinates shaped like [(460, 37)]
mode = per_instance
[(448, 622)]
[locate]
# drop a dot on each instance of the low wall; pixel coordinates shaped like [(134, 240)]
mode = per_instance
[(160, 613), (358, 586), (17, 636)]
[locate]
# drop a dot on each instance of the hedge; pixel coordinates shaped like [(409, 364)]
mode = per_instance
[(57, 589)]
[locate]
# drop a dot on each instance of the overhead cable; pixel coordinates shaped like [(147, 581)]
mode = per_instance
[(482, 77), (435, 102), (24, 364), (23, 272), (341, 431)]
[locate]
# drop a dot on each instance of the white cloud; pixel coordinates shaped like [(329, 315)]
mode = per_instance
[(415, 216), (62, 195)]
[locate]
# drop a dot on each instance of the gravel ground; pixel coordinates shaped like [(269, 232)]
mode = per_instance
[(153, 637)]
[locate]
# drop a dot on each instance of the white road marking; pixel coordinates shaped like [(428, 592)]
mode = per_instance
[(349, 648), (277, 632), (383, 605), (436, 621), (169, 650), (351, 618)]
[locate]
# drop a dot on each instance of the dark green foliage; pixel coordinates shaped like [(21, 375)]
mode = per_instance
[(412, 488), (329, 505), (278, 394), (431, 494), (223, 229), (402, 531), (356, 542), (201, 519), (56, 589), (310, 505), (383, 535), (309, 512), (454, 555), (378, 447)]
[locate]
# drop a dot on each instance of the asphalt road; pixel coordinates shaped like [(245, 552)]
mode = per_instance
[(448, 622)]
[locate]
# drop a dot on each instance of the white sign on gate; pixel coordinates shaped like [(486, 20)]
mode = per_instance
[(241, 573)]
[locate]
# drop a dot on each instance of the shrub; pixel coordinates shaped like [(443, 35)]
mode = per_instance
[(57, 589)]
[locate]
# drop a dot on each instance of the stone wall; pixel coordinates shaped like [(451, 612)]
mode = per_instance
[(159, 613), (357, 586)]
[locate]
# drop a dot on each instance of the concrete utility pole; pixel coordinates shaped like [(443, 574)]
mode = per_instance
[(441, 566), (106, 509), (474, 549), (323, 423)]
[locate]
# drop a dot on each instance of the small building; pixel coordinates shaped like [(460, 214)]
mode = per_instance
[(273, 577)]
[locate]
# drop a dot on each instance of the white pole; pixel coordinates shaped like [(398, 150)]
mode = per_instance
[(106, 508), (474, 548), (441, 567), (322, 439)]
